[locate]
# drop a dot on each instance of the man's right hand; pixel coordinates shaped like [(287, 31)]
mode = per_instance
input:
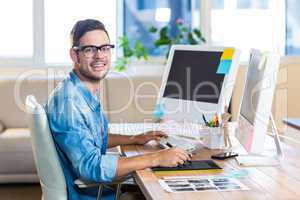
[(164, 158), (170, 157)]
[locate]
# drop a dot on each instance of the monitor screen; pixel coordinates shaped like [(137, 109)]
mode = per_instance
[(252, 91), (193, 76)]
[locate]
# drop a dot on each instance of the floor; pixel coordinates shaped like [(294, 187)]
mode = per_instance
[(20, 192)]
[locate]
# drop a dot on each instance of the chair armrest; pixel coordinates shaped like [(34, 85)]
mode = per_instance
[(85, 184)]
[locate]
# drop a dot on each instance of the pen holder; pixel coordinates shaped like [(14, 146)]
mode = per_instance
[(214, 139)]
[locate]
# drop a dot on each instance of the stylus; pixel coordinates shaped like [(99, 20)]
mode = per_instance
[(204, 119)]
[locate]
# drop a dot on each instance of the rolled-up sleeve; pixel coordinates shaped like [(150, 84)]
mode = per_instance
[(109, 166), (77, 142)]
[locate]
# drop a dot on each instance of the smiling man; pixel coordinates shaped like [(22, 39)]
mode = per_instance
[(79, 127)]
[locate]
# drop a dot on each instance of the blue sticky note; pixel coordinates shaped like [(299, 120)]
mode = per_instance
[(158, 111), (224, 67)]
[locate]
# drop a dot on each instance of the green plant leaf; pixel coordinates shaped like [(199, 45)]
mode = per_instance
[(184, 29), (198, 33), (152, 29), (139, 50), (127, 52), (119, 68), (163, 33), (123, 41), (191, 39), (121, 63), (125, 45), (162, 41), (146, 56)]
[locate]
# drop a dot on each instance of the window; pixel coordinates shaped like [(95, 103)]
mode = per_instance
[(16, 29), (37, 31), (140, 15), (248, 24), (57, 43), (292, 27), (256, 4)]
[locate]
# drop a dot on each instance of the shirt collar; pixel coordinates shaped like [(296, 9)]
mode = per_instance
[(87, 95)]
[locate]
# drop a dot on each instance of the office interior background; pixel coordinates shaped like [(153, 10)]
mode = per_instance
[(35, 36), (37, 32)]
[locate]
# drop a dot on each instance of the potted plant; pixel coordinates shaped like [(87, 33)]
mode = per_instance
[(137, 51), (183, 36)]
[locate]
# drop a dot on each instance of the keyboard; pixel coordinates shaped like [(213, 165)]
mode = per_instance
[(190, 130), (179, 134), (177, 141)]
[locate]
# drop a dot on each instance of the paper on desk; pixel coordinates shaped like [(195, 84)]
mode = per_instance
[(201, 183)]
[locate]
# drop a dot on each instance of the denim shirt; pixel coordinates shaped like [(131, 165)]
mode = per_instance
[(80, 132)]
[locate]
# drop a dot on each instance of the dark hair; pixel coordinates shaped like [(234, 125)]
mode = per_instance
[(83, 26)]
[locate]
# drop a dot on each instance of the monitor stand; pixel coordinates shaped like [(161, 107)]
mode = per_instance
[(264, 160)]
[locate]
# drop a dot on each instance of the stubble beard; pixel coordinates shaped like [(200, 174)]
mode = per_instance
[(86, 74)]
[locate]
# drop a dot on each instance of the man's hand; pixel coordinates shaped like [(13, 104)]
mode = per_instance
[(146, 137), (170, 157)]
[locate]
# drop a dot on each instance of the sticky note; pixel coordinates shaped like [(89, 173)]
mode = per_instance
[(224, 67), (158, 111), (227, 54)]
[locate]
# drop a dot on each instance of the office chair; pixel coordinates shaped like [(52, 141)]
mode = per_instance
[(49, 170)]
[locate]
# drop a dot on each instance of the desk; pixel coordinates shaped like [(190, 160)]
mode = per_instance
[(265, 183)]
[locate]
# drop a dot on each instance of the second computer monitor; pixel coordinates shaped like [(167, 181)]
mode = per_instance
[(257, 98), (197, 80)]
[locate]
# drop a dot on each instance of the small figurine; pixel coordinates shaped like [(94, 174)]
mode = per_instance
[(225, 119), (158, 113)]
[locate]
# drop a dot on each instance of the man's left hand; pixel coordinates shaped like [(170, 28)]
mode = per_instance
[(150, 135)]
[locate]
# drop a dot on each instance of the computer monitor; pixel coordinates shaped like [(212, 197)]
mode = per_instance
[(192, 84), (257, 98)]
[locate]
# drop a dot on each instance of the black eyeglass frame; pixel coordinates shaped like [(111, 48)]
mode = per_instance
[(82, 48)]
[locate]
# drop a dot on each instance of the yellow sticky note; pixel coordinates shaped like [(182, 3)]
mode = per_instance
[(227, 54)]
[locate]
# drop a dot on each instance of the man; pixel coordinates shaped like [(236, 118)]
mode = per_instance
[(78, 125)]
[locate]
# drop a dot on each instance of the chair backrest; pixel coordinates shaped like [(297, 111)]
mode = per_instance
[(50, 173)]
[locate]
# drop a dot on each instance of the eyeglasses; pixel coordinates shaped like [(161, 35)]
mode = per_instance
[(91, 50)]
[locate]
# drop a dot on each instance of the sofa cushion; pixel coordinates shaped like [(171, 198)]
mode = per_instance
[(15, 152), (14, 91), (132, 99)]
